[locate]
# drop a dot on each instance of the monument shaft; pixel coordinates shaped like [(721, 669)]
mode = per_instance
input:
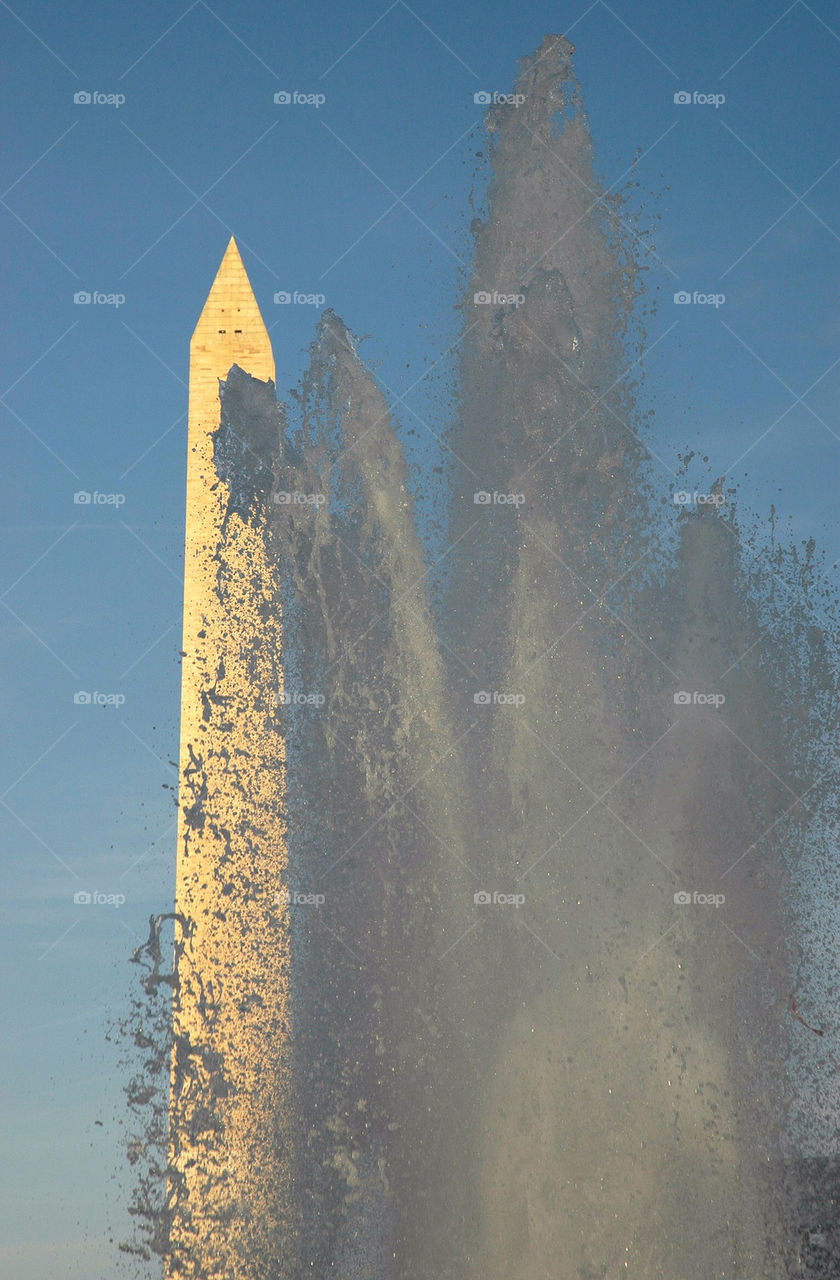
[(228, 1173)]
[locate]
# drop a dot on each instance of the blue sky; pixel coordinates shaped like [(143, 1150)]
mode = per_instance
[(363, 199)]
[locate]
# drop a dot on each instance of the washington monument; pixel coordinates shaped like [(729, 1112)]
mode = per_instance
[(229, 1169)]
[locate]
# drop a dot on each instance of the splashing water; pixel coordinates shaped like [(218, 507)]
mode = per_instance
[(559, 841)]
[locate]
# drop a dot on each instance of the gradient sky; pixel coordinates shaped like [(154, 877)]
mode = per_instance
[(365, 200)]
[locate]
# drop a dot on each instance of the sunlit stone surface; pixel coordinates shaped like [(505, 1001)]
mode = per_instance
[(228, 1167)]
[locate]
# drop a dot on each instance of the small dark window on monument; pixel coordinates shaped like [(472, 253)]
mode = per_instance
[(237, 331), (223, 331)]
